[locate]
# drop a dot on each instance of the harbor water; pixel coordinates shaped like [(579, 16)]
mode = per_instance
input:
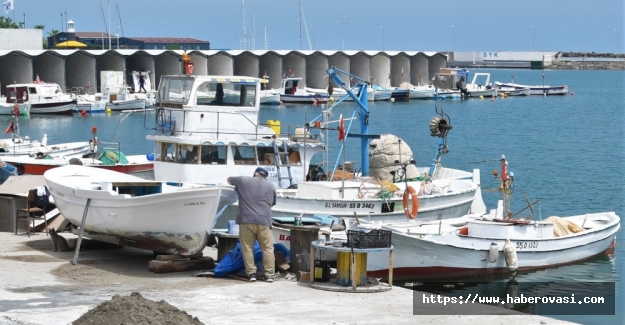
[(566, 151)]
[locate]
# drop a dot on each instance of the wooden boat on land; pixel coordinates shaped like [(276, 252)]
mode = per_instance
[(173, 218)]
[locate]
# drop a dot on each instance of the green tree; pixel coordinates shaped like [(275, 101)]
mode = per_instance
[(53, 32), (40, 27), (7, 22), (173, 47)]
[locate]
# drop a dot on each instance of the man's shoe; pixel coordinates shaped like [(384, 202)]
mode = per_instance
[(252, 278), (270, 280)]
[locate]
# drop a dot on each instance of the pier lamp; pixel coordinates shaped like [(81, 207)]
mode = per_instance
[(616, 43), (344, 33), (382, 37)]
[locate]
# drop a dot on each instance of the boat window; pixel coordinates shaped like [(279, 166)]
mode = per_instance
[(266, 155), (226, 94), (12, 94), (244, 155), (166, 152), (213, 155), (187, 154), (32, 90), (175, 90)]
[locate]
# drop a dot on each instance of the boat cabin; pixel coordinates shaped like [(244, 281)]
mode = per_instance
[(17, 94), (289, 86), (116, 93), (37, 92)]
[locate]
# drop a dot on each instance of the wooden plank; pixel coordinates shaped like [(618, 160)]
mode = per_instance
[(204, 263), (178, 257), (300, 248)]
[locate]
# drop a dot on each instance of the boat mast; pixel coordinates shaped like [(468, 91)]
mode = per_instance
[(244, 27), (253, 29), (300, 24), (266, 43), (109, 24)]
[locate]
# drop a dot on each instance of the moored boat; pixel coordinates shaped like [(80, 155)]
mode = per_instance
[(536, 89), (46, 98)]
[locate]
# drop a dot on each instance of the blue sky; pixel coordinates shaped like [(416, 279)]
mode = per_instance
[(408, 25)]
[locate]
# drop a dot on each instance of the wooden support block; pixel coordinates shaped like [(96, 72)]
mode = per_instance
[(284, 267), (204, 263), (304, 277), (179, 257)]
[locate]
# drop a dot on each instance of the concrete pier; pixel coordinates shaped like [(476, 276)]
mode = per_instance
[(39, 286)]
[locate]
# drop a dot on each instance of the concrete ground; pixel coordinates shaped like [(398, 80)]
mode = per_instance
[(38, 286)]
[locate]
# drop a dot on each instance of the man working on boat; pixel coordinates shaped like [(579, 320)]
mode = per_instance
[(256, 197)]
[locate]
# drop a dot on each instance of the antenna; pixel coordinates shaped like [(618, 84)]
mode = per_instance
[(244, 27), (119, 16), (254, 29)]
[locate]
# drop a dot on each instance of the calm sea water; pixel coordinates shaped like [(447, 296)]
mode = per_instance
[(567, 151)]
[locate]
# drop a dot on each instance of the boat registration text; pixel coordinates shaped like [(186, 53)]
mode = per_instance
[(525, 245), (337, 205)]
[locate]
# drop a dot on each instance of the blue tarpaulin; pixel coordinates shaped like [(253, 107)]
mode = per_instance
[(232, 263)]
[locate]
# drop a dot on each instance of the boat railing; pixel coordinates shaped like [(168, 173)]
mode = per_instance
[(112, 146), (165, 124)]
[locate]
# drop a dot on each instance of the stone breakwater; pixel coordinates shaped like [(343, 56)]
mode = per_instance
[(588, 61), (587, 65)]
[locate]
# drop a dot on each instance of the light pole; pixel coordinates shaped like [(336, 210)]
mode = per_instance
[(313, 32), (533, 39), (25, 26), (61, 22), (616, 43), (344, 33), (382, 37), (454, 27), (66, 21)]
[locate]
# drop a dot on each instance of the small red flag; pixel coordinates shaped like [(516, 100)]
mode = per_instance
[(341, 128), (10, 128)]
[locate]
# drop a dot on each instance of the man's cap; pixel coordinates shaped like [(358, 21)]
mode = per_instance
[(262, 171)]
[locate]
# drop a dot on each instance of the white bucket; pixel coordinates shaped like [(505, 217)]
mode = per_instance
[(233, 228)]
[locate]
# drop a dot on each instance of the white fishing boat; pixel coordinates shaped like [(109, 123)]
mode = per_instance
[(509, 91), (482, 245), (42, 149), (268, 97), (119, 98), (290, 93), (419, 91), (373, 202), (174, 218), (536, 89), (338, 94), (204, 138), (47, 98), (380, 93), (480, 89)]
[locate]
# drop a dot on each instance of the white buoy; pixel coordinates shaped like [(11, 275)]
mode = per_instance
[(509, 251), (493, 252)]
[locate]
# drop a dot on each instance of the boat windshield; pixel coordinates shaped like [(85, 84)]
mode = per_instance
[(226, 94), (175, 90)]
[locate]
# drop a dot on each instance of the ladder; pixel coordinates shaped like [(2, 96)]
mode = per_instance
[(278, 153)]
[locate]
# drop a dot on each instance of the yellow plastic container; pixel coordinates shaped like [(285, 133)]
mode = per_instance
[(275, 126), (343, 268)]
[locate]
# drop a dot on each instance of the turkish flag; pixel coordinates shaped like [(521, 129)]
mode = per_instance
[(10, 128), (341, 128), (189, 67)]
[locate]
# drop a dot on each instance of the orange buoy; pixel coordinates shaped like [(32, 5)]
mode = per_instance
[(83, 112), (464, 231), (410, 193)]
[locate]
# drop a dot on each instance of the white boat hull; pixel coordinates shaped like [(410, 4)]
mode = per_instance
[(7, 108), (53, 107), (537, 89), (270, 99), (455, 203), (122, 105), (176, 221), (450, 255)]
